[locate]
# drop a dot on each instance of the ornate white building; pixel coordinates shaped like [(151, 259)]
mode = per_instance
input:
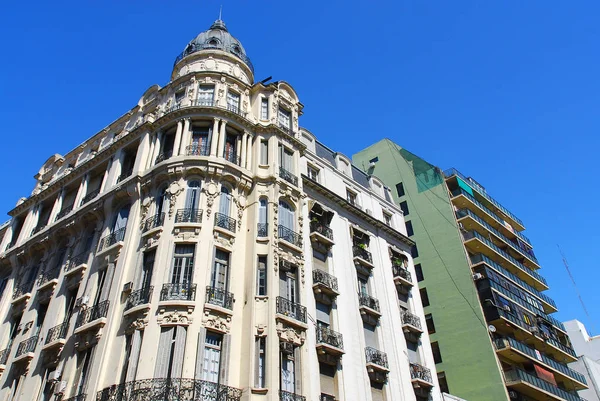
[(203, 246)]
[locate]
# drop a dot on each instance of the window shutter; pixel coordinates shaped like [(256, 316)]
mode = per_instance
[(180, 336), (225, 351), (136, 347), (164, 349), (200, 354)]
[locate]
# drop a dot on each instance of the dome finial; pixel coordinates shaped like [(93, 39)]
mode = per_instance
[(220, 12), (219, 24)]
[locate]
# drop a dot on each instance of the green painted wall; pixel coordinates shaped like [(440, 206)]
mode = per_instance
[(468, 358)]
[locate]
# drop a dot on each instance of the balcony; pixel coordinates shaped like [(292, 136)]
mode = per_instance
[(225, 222), (330, 345), (64, 211), (125, 175), (289, 236), (287, 176), (169, 390), (369, 309), (377, 365), (219, 297), (48, 279), (262, 230), (232, 157), (26, 350), (197, 150), (411, 323), (326, 397), (90, 196), (153, 222), (111, 239), (291, 312), (22, 292), (326, 284), (234, 108), (178, 292), (39, 228), (92, 317), (4, 358), (143, 296), (521, 353), (79, 397), (402, 278), (193, 216), (287, 396), (77, 263), (420, 375), (163, 156), (532, 386), (57, 336), (362, 256), (322, 233)]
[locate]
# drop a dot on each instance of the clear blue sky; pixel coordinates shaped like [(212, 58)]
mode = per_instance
[(506, 91)]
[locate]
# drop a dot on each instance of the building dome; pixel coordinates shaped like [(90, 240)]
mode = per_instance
[(217, 37)]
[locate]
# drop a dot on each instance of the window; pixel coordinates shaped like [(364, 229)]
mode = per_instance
[(162, 201), (264, 152), (414, 252), (387, 219), (121, 220), (288, 372), (404, 207), (437, 356), (419, 272), (128, 340), (220, 273), (147, 268), (179, 97), (261, 275), (171, 349), (351, 197), (3, 284), (313, 173), (206, 95), (261, 362), (284, 118), (264, 108), (225, 201), (443, 382), (409, 228), (83, 368), (286, 216), (424, 297), (200, 141), (212, 357), (230, 151), (430, 324), (100, 289), (48, 387), (286, 159), (400, 189), (182, 272), (233, 101), (192, 200)]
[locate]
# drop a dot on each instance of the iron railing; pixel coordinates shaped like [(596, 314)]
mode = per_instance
[(289, 177), (400, 271), (188, 216), (204, 102), (153, 222), (224, 221), (326, 397), (197, 150), (287, 396), (169, 390), (90, 196), (377, 357), (77, 260), (196, 47), (321, 277), (324, 230), (92, 313), (219, 297), (262, 229), (413, 320), (290, 236), (38, 229), (362, 253), (327, 336), (112, 239), (178, 292), (517, 375), (125, 175), (26, 346), (78, 397), (22, 289), (139, 297), (4, 356), (368, 301), (48, 275), (163, 156), (58, 332), (235, 109), (232, 157), (420, 372), (63, 212), (291, 309)]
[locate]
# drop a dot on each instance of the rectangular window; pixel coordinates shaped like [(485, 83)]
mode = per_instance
[(220, 275), (261, 276), (288, 372), (414, 252), (264, 108), (83, 368), (206, 95), (286, 158), (443, 382), (404, 207), (128, 340), (212, 357), (424, 296), (387, 219), (430, 324), (351, 197), (313, 173), (233, 101), (284, 118), (48, 385), (264, 152), (261, 359), (409, 228), (179, 97), (400, 189), (3, 284), (419, 272)]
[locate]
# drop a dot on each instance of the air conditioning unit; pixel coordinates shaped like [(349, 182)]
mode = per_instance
[(54, 376), (513, 395), (477, 276), (60, 388), (128, 287)]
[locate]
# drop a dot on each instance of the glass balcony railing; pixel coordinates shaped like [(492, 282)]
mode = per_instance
[(517, 375)]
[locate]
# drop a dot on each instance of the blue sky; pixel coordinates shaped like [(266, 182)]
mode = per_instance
[(505, 91)]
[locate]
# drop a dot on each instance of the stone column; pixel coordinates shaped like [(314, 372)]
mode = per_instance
[(177, 142), (114, 170), (244, 149), (185, 136), (82, 190), (222, 133), (141, 157), (250, 152), (57, 206), (109, 168), (157, 146), (148, 162), (30, 223), (215, 138)]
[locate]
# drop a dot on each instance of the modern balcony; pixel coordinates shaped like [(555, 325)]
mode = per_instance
[(291, 312), (321, 233), (289, 236), (111, 239), (535, 387), (63, 212), (90, 195), (197, 150), (369, 308), (169, 390), (325, 283), (22, 292), (402, 278), (377, 365), (262, 230), (411, 323), (420, 375), (330, 345), (153, 222), (136, 298), (178, 292), (287, 396), (362, 256), (57, 336), (219, 297), (92, 317), (193, 216), (288, 176), (225, 222)]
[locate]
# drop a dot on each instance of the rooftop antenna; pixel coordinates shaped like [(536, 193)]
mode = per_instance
[(220, 12)]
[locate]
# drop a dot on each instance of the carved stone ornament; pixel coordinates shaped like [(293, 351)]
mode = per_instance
[(145, 209), (174, 190), (216, 322), (290, 334), (137, 324), (87, 339), (175, 317), (211, 193), (52, 356)]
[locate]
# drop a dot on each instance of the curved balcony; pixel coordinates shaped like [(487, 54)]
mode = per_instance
[(262, 230), (139, 297), (56, 336), (330, 345), (77, 263), (125, 175), (22, 292), (402, 278), (188, 216), (197, 47), (377, 364), (232, 157), (411, 322), (196, 149), (289, 236), (64, 211), (153, 222), (178, 292), (48, 278), (26, 349), (291, 312), (219, 297), (325, 283), (369, 308), (164, 155), (225, 222)]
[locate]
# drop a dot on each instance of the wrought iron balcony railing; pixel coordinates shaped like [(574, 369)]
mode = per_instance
[(153, 222), (517, 375), (139, 297), (413, 320), (90, 195), (169, 390), (188, 216), (290, 236), (164, 156), (224, 221), (58, 332), (400, 271), (377, 357), (111, 239), (368, 301), (219, 297), (77, 260), (92, 313), (232, 157), (4, 356), (362, 253), (48, 275), (204, 102), (420, 372), (321, 277), (262, 229), (197, 150), (78, 397), (22, 289), (324, 230), (178, 292), (289, 177), (291, 309), (326, 397), (26, 346), (327, 336), (64, 211), (125, 175), (287, 396), (39, 228), (235, 109)]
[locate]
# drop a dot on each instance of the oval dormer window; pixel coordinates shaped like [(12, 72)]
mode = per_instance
[(235, 49), (214, 42)]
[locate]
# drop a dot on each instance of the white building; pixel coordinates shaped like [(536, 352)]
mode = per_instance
[(203, 246), (587, 349)]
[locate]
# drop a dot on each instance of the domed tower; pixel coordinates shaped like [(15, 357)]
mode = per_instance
[(215, 50)]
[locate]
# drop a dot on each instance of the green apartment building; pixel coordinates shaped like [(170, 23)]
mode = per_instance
[(489, 321)]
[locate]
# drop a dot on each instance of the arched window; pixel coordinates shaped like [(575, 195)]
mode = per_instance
[(263, 217), (192, 201), (286, 215), (225, 201)]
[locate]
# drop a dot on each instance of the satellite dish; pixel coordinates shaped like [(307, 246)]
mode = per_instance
[(492, 328)]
